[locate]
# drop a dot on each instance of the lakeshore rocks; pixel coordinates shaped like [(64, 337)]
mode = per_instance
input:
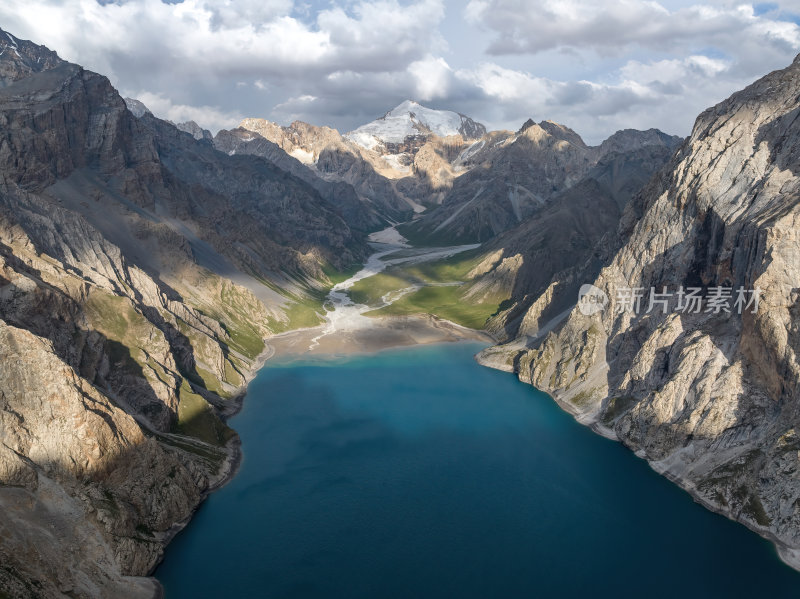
[(711, 400)]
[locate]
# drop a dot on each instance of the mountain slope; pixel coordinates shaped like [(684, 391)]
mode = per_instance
[(564, 243), (512, 176), (140, 271), (322, 158), (710, 398)]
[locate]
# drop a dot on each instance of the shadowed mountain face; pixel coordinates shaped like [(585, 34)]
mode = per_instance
[(140, 270), (65, 123), (513, 176), (710, 396)]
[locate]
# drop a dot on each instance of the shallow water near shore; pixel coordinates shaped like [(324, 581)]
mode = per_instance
[(418, 473)]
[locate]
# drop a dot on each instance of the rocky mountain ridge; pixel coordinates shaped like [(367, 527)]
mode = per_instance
[(543, 261), (510, 176), (708, 396), (339, 171)]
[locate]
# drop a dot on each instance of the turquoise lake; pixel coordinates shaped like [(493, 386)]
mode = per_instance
[(417, 473)]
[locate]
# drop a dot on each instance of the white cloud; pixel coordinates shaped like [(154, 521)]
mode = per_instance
[(220, 38), (505, 85), (233, 14), (647, 63), (674, 70), (595, 66), (531, 26), (662, 93), (431, 77)]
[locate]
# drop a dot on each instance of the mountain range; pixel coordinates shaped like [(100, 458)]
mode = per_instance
[(143, 264)]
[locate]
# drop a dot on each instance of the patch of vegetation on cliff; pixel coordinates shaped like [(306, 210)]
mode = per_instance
[(128, 334), (126, 331), (616, 407), (245, 340), (206, 348), (232, 373), (727, 480), (235, 308), (580, 400), (755, 510), (196, 418), (210, 382), (117, 319), (300, 313)]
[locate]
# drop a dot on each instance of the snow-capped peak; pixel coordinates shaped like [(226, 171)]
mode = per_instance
[(410, 119)]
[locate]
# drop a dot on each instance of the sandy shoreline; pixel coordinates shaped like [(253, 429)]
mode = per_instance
[(382, 333)]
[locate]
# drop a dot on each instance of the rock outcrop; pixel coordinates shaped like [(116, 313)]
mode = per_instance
[(194, 130), (709, 397)]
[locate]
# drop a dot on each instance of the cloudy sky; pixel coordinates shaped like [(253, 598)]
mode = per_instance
[(594, 66)]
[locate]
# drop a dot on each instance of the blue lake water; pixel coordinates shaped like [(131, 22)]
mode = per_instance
[(417, 473)]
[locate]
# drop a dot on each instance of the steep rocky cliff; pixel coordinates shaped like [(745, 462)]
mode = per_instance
[(709, 397), (140, 270), (564, 244)]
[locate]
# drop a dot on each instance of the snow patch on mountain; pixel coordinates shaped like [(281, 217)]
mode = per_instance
[(410, 119)]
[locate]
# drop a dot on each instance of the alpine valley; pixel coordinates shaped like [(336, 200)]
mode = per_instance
[(149, 269)]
